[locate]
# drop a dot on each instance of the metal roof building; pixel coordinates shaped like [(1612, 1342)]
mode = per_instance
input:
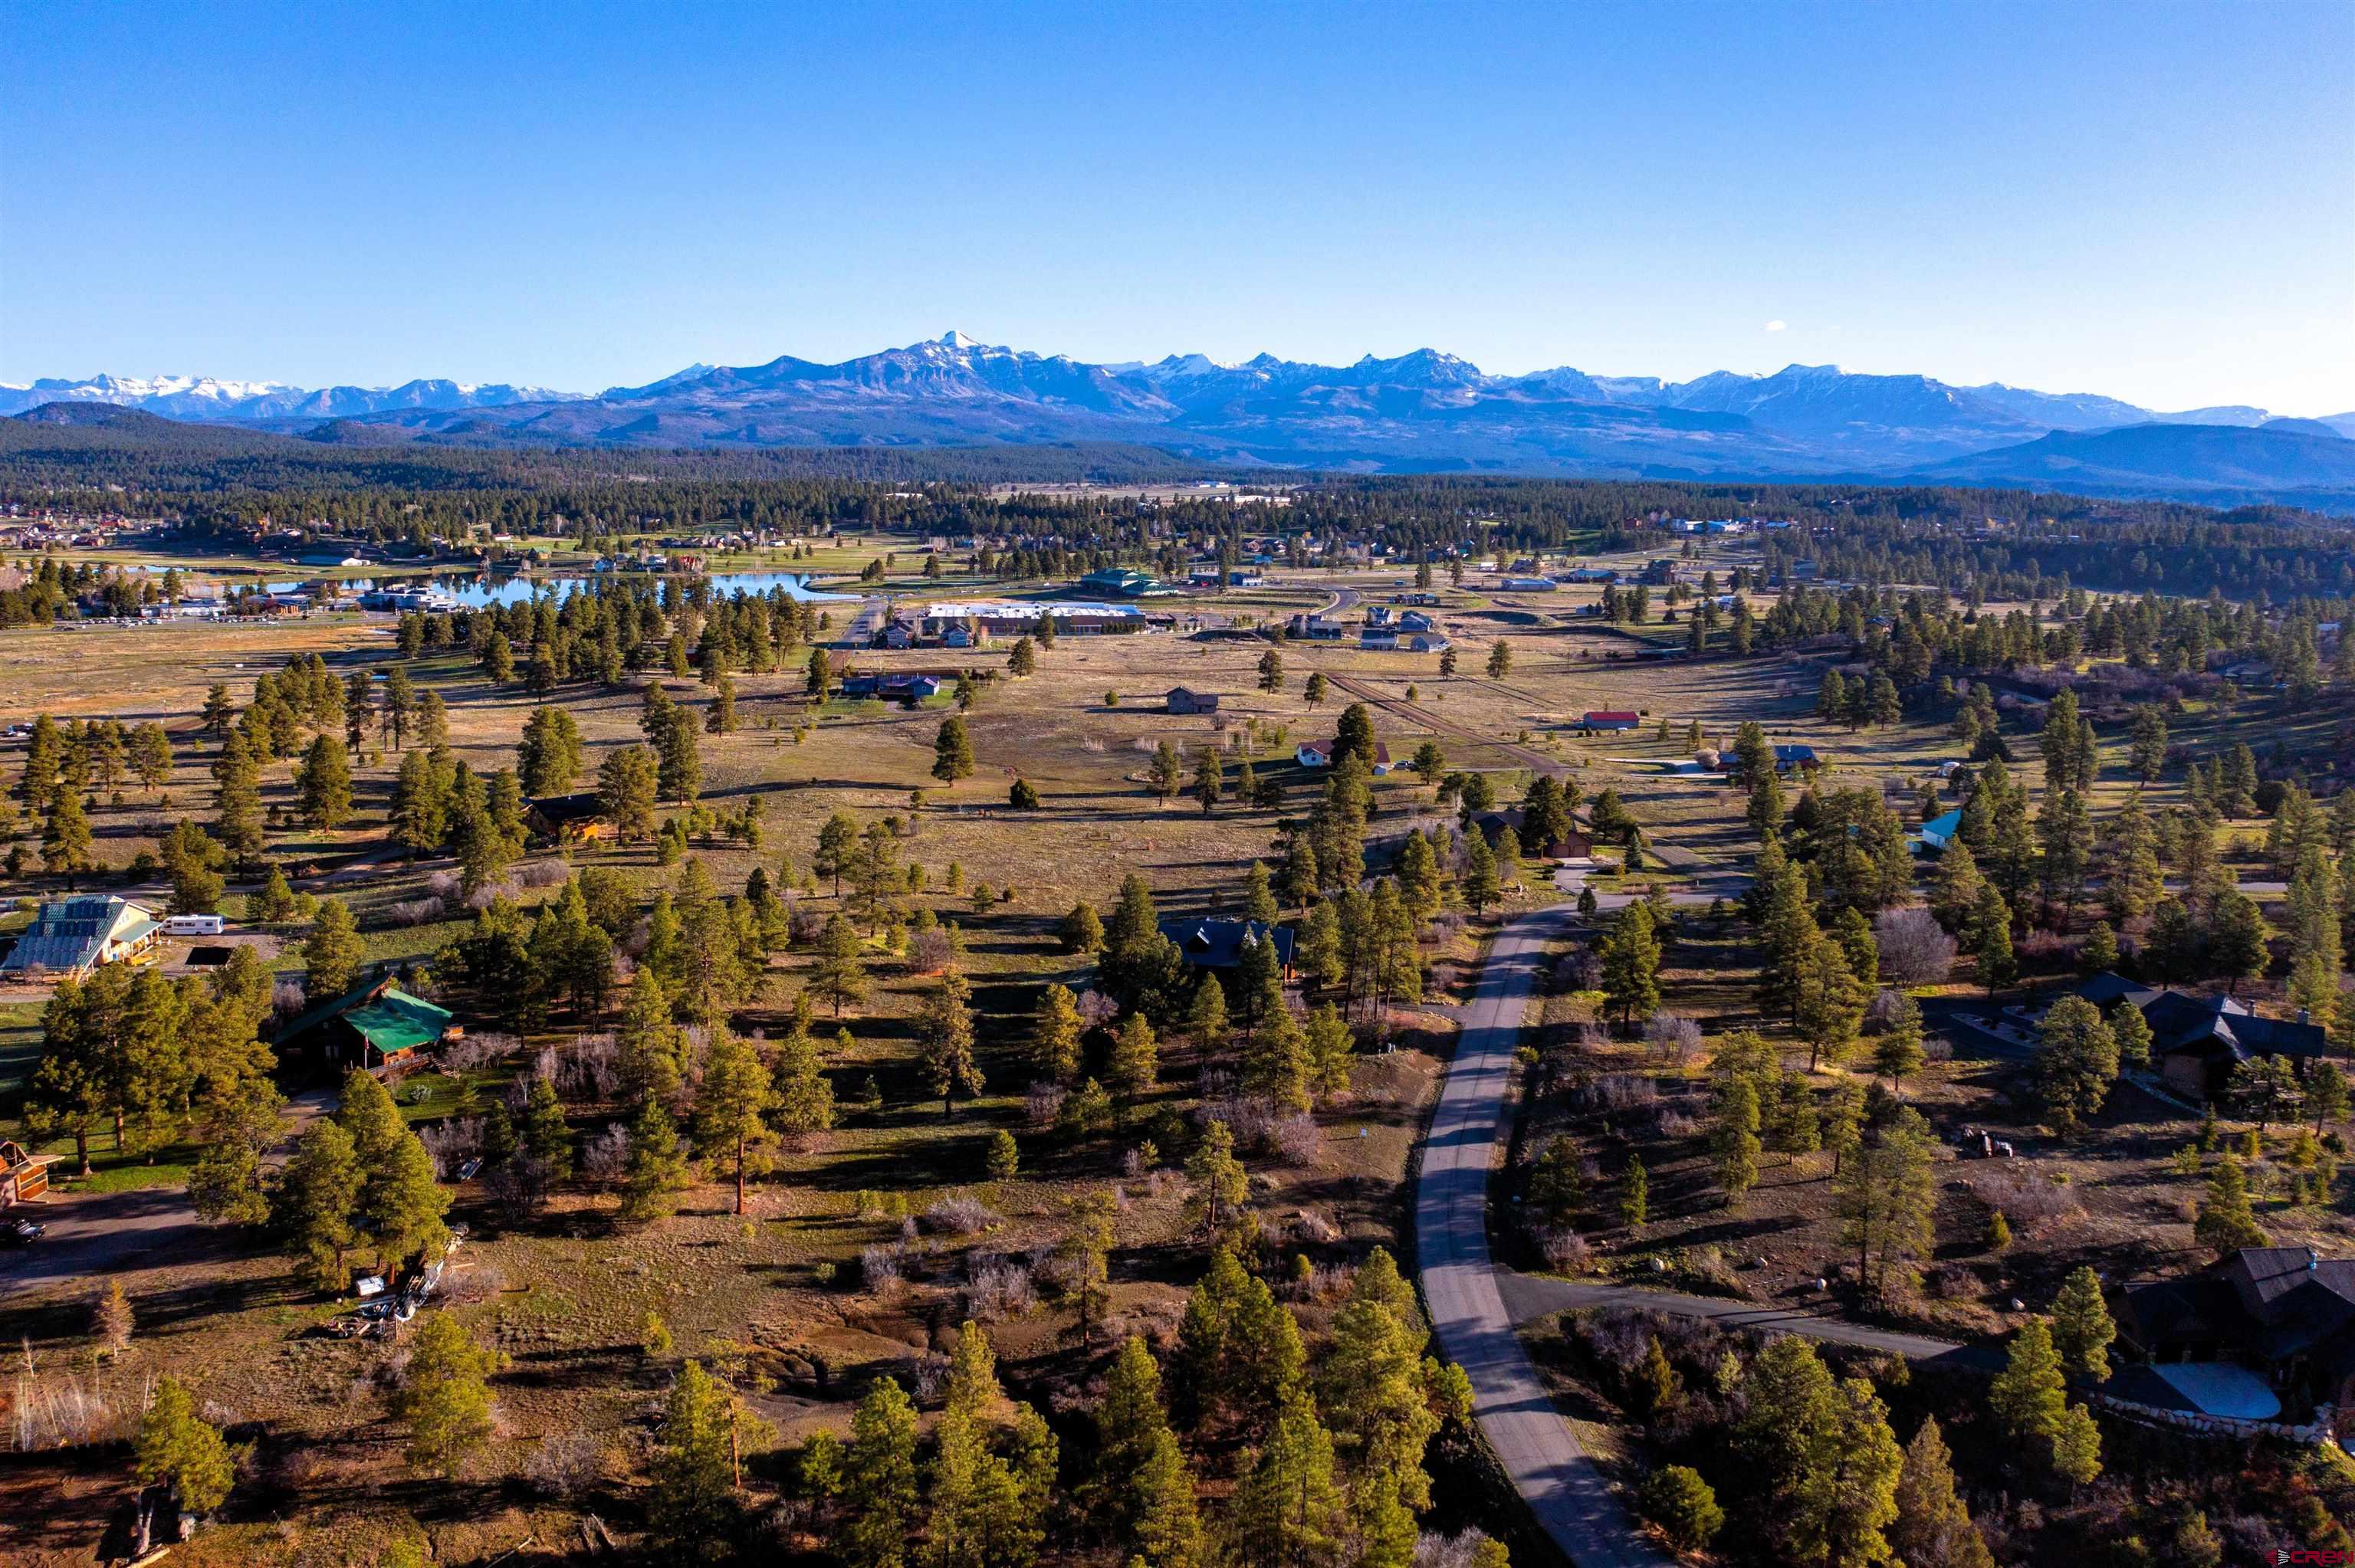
[(71, 936)]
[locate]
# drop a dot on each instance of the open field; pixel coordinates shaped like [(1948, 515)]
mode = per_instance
[(864, 1247)]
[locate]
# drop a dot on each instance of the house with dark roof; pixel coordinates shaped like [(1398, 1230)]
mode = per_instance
[(1185, 700), (1603, 719), (577, 818), (73, 935), (2197, 1038), (1789, 756), (1571, 845), (2284, 1314), (1207, 944), (375, 1025)]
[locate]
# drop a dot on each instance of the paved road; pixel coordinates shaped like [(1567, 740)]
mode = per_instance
[(1707, 888), (1461, 1282), (1528, 1296)]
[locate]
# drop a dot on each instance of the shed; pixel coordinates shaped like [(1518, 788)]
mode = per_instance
[(24, 1175)]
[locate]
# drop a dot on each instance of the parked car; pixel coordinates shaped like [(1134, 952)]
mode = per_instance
[(21, 1233)]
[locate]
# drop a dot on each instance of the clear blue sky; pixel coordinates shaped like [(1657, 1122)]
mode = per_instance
[(2156, 202)]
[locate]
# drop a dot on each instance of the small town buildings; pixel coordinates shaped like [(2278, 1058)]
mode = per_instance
[(1603, 719), (2282, 1318), (1218, 944), (1184, 699), (375, 1025), (74, 934), (1425, 598), (1415, 620), (1589, 574), (1379, 638)]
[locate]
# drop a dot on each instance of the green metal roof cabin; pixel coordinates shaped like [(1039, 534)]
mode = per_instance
[(375, 1025)]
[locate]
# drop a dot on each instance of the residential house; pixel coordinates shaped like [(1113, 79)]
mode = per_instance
[(1379, 638), (74, 934), (1602, 719), (1428, 643), (1415, 620), (375, 1025), (1529, 584), (1789, 756), (1183, 700), (577, 818), (1314, 628), (1314, 754), (1218, 944), (2282, 1317), (2197, 1038), (1574, 844), (1939, 832)]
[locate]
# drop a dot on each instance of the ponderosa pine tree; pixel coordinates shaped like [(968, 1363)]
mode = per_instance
[(693, 1507), (732, 1107), (879, 1481), (444, 1398), (177, 1448), (1933, 1527)]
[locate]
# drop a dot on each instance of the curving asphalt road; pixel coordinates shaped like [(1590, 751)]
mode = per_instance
[(1461, 1283)]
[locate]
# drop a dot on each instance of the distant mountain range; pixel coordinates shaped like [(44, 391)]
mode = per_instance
[(1421, 412)]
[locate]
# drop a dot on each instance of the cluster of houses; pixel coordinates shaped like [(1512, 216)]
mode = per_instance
[(1412, 631), (976, 623)]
